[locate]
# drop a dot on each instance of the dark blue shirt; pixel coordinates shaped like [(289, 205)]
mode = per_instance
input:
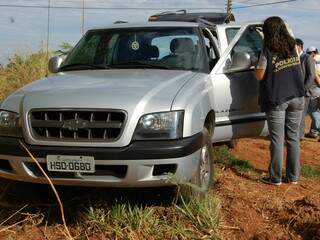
[(283, 79)]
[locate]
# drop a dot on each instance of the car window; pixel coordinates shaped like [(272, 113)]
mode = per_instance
[(87, 50), (231, 33), (166, 47), (250, 42)]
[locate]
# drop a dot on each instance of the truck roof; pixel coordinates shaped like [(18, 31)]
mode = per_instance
[(149, 24)]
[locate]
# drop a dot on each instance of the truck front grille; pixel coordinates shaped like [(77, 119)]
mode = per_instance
[(77, 125)]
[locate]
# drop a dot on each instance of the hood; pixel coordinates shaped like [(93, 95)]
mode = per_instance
[(147, 89)]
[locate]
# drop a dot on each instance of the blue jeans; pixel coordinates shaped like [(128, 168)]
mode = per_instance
[(283, 123), (314, 111)]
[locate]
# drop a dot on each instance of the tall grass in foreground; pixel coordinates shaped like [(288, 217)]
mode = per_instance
[(195, 219), (22, 70)]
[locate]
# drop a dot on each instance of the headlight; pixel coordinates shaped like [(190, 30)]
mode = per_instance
[(155, 126), (9, 124)]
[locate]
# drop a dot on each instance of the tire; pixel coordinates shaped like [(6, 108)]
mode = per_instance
[(202, 180)]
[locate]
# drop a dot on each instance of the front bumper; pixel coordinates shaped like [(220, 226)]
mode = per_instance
[(140, 164)]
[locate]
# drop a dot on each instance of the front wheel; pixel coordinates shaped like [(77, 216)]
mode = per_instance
[(201, 181)]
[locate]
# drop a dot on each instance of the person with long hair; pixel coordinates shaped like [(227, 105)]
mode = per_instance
[(281, 98)]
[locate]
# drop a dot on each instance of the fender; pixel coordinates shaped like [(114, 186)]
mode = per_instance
[(196, 100)]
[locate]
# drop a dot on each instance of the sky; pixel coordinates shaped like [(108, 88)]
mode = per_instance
[(24, 29)]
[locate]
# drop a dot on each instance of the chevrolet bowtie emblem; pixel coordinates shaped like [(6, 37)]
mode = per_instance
[(75, 124)]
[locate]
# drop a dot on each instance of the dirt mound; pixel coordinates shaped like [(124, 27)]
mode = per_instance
[(302, 216), (256, 211)]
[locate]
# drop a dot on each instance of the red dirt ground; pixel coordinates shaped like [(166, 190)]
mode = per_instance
[(253, 210)]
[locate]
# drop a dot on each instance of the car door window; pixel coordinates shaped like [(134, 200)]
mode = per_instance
[(250, 42), (231, 33)]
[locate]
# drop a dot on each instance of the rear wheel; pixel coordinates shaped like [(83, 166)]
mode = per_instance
[(202, 179)]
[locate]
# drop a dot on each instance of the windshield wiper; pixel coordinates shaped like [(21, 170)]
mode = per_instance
[(82, 66), (137, 64)]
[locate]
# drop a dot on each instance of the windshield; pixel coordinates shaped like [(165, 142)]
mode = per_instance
[(163, 48)]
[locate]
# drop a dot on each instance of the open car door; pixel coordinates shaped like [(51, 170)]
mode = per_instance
[(236, 89)]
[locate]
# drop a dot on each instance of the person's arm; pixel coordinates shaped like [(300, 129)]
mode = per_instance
[(317, 80), (260, 74), (260, 70)]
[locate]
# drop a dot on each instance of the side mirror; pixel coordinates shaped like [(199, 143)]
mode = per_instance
[(54, 64), (240, 61)]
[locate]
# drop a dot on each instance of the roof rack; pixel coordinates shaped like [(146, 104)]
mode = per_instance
[(204, 17)]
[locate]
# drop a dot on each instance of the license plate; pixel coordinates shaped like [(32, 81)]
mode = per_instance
[(64, 163)]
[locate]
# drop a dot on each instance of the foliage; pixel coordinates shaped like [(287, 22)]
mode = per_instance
[(64, 49), (22, 70)]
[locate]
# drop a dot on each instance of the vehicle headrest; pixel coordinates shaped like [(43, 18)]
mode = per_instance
[(180, 45), (152, 52)]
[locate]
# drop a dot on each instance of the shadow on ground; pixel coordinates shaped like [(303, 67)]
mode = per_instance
[(40, 199)]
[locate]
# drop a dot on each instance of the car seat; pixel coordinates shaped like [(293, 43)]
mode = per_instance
[(182, 53)]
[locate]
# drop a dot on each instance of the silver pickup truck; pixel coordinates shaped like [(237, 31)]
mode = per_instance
[(134, 102)]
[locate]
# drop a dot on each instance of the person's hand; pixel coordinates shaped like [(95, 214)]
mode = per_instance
[(317, 80), (260, 31)]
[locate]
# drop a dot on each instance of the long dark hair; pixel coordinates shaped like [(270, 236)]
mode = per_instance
[(277, 37)]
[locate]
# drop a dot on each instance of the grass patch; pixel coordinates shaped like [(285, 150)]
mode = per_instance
[(120, 220), (202, 212), (195, 219), (188, 218), (310, 172), (224, 157), (22, 70)]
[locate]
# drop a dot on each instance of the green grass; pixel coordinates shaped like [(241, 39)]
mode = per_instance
[(310, 172), (187, 218), (223, 157), (196, 219), (120, 220), (202, 212)]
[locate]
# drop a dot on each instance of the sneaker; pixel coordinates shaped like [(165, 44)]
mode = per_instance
[(293, 182), (286, 180), (311, 135), (267, 180)]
